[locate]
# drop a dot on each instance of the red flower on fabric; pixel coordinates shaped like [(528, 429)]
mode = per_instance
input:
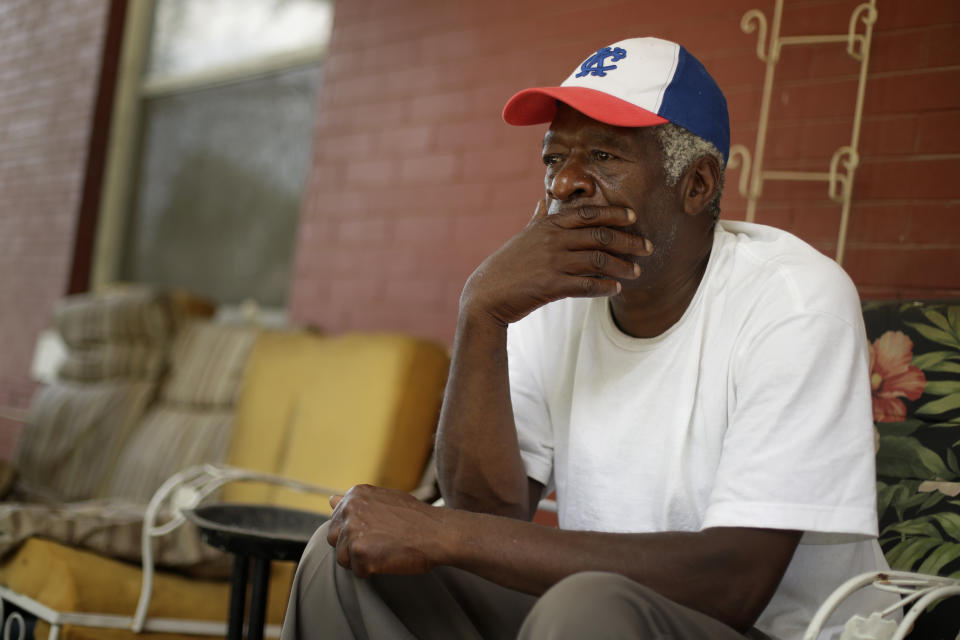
[(892, 377)]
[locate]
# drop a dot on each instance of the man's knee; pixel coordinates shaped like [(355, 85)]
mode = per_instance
[(314, 610), (318, 542), (594, 604)]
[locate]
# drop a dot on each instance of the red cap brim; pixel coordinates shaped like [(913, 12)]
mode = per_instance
[(537, 105)]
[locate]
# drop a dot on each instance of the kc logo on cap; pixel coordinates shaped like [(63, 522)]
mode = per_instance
[(594, 64), (639, 82)]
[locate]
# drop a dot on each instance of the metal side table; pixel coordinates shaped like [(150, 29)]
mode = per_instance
[(262, 532)]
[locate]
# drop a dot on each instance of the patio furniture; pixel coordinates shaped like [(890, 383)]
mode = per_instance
[(295, 410)]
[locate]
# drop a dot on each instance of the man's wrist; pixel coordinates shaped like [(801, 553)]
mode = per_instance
[(474, 318), (452, 537)]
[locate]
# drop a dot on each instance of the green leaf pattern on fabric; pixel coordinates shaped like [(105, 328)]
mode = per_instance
[(946, 367), (943, 405), (905, 457), (906, 555), (941, 556), (936, 335), (924, 535), (938, 319), (917, 414), (931, 359), (952, 463)]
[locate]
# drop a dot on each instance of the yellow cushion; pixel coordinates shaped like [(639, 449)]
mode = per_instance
[(67, 579), (337, 411), (279, 366)]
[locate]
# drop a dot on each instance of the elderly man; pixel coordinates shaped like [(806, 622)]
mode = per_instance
[(696, 393)]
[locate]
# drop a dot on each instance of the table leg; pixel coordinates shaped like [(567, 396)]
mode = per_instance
[(238, 596), (258, 598)]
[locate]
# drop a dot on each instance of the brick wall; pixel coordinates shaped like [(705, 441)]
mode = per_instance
[(904, 235), (49, 63), (416, 179)]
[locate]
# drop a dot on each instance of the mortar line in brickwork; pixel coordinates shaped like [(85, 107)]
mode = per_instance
[(913, 72), (912, 157)]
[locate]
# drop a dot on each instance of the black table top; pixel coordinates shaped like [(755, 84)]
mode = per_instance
[(276, 533)]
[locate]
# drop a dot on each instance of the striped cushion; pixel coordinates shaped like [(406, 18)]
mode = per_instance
[(111, 528), (73, 435), (103, 362), (168, 440), (207, 364), (128, 315)]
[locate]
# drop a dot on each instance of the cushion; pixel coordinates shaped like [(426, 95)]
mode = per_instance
[(207, 362), (915, 382), (115, 360), (111, 528), (67, 579), (281, 364), (915, 353), (337, 411), (73, 435), (168, 440), (126, 315), (367, 416)]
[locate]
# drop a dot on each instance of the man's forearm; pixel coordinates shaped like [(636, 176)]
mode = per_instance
[(579, 253), (478, 458), (727, 573)]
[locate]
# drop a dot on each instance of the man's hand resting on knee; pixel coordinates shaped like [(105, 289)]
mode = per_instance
[(385, 531)]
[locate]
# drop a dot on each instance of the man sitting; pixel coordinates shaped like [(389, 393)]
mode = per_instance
[(696, 393)]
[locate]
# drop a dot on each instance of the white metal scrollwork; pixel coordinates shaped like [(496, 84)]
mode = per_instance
[(14, 618), (847, 158), (915, 588), (755, 20), (865, 13)]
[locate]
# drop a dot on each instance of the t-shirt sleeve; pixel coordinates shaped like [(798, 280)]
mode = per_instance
[(530, 411), (798, 452)]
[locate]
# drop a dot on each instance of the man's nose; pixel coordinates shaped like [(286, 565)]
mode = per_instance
[(571, 181)]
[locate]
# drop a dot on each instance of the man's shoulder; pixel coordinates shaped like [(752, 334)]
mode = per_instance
[(774, 267)]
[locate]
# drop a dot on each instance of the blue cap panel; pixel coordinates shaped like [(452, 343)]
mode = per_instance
[(694, 101)]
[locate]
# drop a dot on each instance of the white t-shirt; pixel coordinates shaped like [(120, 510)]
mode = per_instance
[(753, 410)]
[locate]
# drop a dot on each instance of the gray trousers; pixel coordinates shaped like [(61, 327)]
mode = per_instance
[(328, 601)]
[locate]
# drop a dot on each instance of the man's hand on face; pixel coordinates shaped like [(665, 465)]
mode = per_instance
[(573, 253), (385, 531)]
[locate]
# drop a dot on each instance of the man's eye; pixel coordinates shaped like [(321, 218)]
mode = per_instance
[(602, 155), (551, 158)]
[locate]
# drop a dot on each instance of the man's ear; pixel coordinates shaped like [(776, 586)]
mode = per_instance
[(699, 184)]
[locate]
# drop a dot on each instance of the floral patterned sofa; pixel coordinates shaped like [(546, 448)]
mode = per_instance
[(915, 377)]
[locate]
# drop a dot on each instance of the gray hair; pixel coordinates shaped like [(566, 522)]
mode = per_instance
[(680, 149)]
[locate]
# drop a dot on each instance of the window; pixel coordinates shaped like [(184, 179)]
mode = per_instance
[(225, 106)]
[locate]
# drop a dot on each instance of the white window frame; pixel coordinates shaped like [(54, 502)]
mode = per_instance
[(132, 90)]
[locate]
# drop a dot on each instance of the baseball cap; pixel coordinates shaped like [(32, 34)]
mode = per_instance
[(638, 82)]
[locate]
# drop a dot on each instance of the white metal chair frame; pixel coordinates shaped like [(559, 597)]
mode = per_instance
[(916, 588), (183, 490)]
